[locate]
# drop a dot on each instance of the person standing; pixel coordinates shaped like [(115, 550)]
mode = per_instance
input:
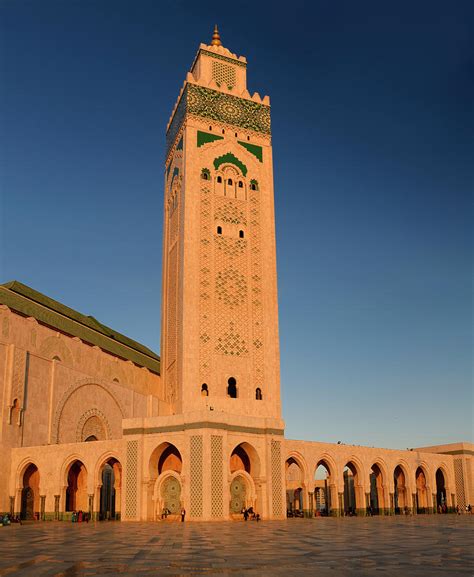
[(183, 514)]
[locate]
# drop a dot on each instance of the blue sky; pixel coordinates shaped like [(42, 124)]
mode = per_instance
[(372, 130)]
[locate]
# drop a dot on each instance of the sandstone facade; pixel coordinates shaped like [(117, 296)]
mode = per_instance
[(93, 421)]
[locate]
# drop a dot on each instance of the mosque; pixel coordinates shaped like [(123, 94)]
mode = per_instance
[(94, 421)]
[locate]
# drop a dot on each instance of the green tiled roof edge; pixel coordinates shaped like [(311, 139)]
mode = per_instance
[(29, 302)]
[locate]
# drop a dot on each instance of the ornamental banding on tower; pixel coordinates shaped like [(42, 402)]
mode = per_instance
[(220, 319)]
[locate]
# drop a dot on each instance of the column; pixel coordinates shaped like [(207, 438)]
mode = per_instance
[(311, 504), (42, 507), (56, 507)]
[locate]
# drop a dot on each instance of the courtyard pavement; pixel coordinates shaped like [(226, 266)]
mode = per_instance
[(390, 546)]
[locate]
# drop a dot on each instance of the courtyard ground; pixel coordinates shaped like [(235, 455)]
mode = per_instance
[(391, 546)]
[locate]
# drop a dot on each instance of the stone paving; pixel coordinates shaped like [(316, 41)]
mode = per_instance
[(390, 546)]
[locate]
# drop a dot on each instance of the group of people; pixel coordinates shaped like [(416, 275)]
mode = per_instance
[(79, 517), (8, 519), (467, 509), (250, 514), (166, 512)]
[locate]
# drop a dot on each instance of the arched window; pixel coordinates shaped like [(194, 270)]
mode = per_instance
[(241, 184), (223, 131), (219, 230), (204, 390), (253, 186), (241, 234), (204, 176), (56, 358), (258, 394), (210, 128), (219, 179), (229, 182), (248, 137), (236, 135), (91, 438), (232, 388)]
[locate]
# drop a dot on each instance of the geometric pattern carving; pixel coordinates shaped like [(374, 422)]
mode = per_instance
[(54, 346), (196, 482), (223, 74), (231, 211), (205, 276), (131, 490), (231, 292), (459, 482), (19, 376), (93, 422), (256, 273), (217, 481), (277, 489)]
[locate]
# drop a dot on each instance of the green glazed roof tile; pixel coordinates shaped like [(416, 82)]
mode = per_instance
[(46, 310)]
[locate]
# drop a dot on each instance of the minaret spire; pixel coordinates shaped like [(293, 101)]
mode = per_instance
[(216, 39)]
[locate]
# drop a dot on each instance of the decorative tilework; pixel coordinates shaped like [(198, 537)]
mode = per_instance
[(229, 158), (208, 103), (459, 482), (131, 490), (277, 489), (206, 137), (254, 149), (196, 482), (217, 482)]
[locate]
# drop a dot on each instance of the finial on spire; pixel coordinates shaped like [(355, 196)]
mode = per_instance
[(216, 39)]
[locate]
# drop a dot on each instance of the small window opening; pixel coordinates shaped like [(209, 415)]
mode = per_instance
[(90, 439), (204, 390), (223, 131), (236, 135), (219, 230), (210, 127), (253, 187), (205, 176), (241, 234), (258, 394), (232, 388), (241, 184), (219, 179), (248, 137), (229, 182), (56, 358)]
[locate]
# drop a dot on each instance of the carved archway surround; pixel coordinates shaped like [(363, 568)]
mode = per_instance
[(70, 391)]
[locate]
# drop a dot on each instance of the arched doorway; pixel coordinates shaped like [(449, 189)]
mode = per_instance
[(352, 498), (110, 490), (166, 465), (377, 500), (322, 489), (30, 493), (400, 493), (76, 491), (294, 488), (244, 467), (421, 491), (441, 501)]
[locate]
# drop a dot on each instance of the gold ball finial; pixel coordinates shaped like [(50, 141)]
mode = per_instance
[(216, 39)]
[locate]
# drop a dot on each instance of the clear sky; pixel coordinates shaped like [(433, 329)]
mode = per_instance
[(372, 121)]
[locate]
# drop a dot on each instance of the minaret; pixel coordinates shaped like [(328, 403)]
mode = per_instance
[(220, 348)]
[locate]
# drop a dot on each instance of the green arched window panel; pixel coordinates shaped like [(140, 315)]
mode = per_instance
[(229, 158)]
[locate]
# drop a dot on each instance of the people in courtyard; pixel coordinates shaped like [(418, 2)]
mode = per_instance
[(183, 514)]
